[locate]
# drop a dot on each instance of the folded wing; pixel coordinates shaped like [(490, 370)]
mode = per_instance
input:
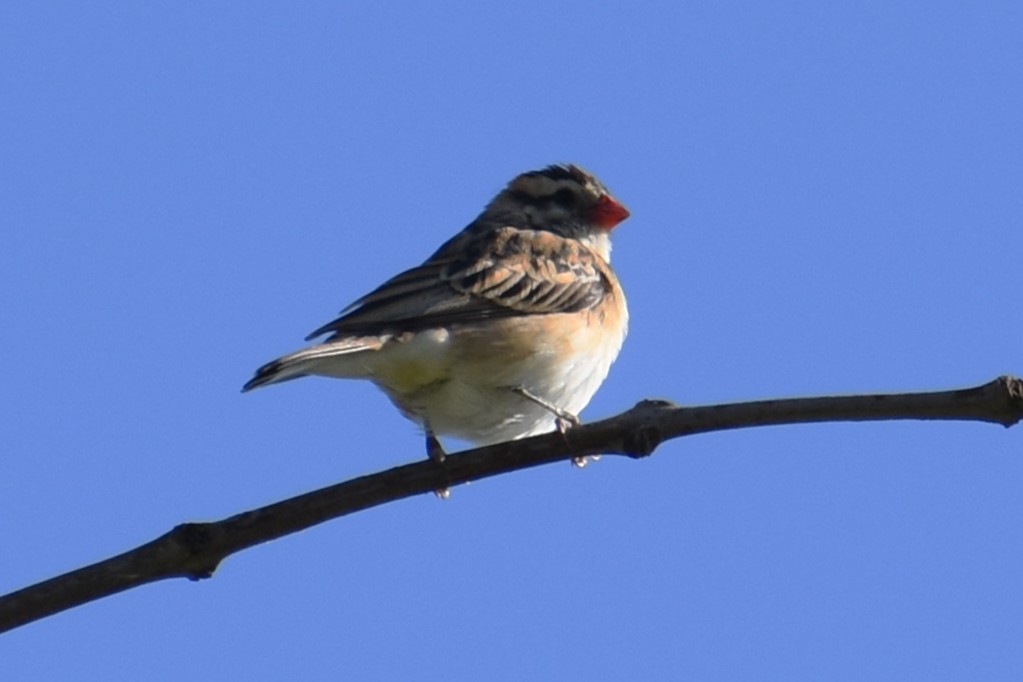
[(502, 273)]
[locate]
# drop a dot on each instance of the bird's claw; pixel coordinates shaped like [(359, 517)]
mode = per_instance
[(435, 451)]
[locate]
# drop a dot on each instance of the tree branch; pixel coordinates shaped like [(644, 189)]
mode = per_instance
[(194, 550)]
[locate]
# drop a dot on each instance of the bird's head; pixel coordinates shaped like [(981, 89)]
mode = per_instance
[(563, 199)]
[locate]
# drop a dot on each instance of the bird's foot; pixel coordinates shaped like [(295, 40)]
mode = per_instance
[(435, 451), (564, 419), (581, 462)]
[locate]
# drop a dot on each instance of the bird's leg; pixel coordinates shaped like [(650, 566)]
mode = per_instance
[(435, 451), (563, 421)]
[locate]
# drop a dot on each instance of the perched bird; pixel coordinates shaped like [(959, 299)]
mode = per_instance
[(506, 331)]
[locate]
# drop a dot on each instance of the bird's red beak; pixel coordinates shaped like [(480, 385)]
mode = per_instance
[(608, 212)]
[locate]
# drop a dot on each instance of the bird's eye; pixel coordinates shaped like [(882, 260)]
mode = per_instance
[(564, 198)]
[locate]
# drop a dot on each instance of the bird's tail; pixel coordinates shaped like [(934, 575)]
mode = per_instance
[(335, 358)]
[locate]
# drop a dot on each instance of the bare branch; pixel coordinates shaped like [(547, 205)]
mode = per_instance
[(194, 550)]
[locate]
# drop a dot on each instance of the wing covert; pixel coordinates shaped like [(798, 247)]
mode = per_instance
[(502, 273)]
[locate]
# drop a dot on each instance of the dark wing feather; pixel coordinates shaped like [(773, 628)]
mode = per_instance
[(501, 273)]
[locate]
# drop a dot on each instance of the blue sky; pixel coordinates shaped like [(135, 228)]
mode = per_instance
[(826, 198)]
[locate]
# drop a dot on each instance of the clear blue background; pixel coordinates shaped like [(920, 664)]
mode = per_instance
[(826, 198)]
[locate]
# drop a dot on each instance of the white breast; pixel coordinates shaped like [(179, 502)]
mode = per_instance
[(472, 398)]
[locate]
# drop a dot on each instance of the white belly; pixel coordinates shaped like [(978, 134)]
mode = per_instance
[(464, 387)]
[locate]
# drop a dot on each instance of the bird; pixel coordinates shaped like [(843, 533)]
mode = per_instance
[(506, 331)]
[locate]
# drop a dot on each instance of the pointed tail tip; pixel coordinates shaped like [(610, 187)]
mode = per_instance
[(264, 375), (252, 383)]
